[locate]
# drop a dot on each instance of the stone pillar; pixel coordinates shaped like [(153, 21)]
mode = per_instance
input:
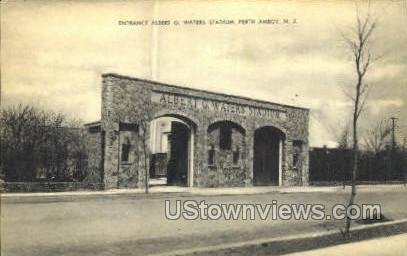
[(201, 153), (111, 131), (249, 156), (144, 154), (288, 175), (305, 166), (111, 161)]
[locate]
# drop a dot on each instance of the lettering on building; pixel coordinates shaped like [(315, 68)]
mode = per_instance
[(199, 103)]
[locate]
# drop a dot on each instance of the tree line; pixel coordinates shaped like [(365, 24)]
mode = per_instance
[(38, 145)]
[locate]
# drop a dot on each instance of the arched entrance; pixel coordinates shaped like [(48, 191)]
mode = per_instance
[(172, 140), (267, 161)]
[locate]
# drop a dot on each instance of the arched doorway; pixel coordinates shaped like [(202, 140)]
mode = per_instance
[(267, 161), (172, 148)]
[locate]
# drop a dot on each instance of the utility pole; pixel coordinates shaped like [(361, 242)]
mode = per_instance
[(393, 137), (404, 154), (393, 146)]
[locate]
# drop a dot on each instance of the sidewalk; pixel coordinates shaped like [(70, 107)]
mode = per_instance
[(314, 243), (185, 191), (391, 246)]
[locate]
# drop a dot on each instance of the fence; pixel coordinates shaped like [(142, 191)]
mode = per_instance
[(334, 166), (50, 186)]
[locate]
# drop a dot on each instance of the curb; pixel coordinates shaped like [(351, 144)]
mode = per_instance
[(270, 246), (191, 192), (204, 191)]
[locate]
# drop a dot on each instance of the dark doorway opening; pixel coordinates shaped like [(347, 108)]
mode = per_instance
[(177, 168), (266, 162)]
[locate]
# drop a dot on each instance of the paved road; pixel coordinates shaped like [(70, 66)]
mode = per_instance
[(135, 225), (388, 246)]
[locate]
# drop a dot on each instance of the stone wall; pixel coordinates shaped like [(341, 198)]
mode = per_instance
[(94, 143), (225, 171), (50, 186), (134, 100), (128, 170)]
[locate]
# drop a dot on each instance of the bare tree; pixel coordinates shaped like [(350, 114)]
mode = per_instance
[(344, 138), (375, 139), (358, 44), (38, 142)]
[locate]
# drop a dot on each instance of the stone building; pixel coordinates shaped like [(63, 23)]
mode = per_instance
[(197, 138)]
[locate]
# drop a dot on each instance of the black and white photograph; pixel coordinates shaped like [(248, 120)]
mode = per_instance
[(172, 127)]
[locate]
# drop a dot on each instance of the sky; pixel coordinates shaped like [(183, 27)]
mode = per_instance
[(54, 52)]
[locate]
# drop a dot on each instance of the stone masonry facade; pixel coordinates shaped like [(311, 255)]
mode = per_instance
[(130, 104)]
